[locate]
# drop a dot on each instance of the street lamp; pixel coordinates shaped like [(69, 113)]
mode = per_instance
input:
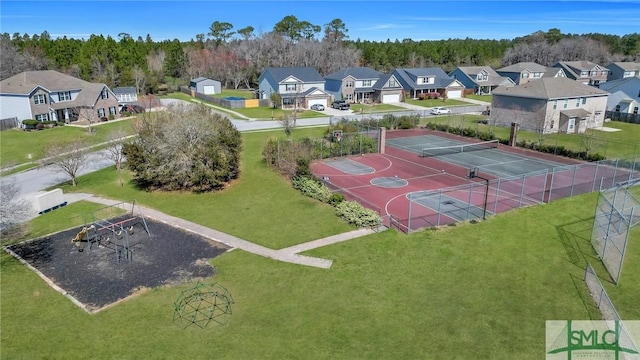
[(474, 173)]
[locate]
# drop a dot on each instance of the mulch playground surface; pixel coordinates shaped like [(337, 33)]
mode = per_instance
[(96, 278)]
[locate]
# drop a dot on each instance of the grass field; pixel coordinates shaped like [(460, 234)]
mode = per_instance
[(471, 291), (367, 109), (15, 144), (428, 103)]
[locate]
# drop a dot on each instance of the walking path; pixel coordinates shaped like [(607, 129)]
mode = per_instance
[(290, 254)]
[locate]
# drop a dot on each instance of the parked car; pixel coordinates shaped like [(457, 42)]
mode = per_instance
[(440, 111), (132, 108), (340, 104), (317, 107)]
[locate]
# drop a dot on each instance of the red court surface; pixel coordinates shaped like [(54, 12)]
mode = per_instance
[(423, 174)]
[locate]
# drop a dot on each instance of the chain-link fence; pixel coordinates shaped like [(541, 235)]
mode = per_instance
[(599, 295), (478, 200), (612, 223)]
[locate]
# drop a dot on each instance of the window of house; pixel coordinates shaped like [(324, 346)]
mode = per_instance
[(635, 110), (101, 112), (525, 75), (104, 94), (566, 103), (64, 96), (365, 96), (537, 75), (603, 73), (572, 124), (555, 104), (584, 101), (578, 102), (42, 117), (392, 83), (483, 77), (287, 101), (617, 108), (290, 87), (348, 83), (348, 97), (553, 123), (584, 73), (39, 99), (594, 73), (366, 82), (112, 110)]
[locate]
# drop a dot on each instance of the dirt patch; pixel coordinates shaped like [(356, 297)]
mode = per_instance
[(104, 272)]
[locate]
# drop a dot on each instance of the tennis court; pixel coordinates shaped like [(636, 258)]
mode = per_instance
[(422, 178)]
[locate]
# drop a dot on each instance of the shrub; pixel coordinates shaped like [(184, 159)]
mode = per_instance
[(354, 213), (39, 126), (335, 199), (311, 188), (30, 123), (60, 123), (111, 117)]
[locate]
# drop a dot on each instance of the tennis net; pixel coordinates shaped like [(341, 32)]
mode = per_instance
[(454, 149)]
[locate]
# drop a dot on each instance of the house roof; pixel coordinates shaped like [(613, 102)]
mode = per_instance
[(549, 89), (409, 76), (627, 65), (382, 81), (124, 90), (522, 66), (359, 73), (493, 77), (305, 74), (25, 82), (198, 79), (613, 85)]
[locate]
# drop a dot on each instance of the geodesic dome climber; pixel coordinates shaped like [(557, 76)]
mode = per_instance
[(202, 304)]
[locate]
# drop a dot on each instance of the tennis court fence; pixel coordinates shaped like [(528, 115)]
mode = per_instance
[(599, 295), (477, 200)]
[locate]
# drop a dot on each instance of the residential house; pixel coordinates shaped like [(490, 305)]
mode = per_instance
[(523, 72), (299, 87), (550, 105), (126, 95), (480, 80), (585, 72), (423, 81), (360, 85), (623, 69), (624, 95), (205, 86), (48, 95)]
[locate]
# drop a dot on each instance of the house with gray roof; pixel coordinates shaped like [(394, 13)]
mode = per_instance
[(48, 95), (126, 94), (523, 72), (299, 87), (584, 72), (624, 95), (361, 85), (418, 82), (550, 105), (480, 80), (623, 69)]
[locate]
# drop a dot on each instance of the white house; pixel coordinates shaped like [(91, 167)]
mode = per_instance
[(624, 95), (299, 87)]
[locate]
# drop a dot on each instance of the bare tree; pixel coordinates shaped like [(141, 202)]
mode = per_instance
[(84, 113), (113, 151), (288, 123), (589, 141), (139, 78), (68, 157), (14, 210), (12, 61)]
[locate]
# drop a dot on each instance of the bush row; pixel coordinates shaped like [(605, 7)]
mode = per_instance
[(549, 149)]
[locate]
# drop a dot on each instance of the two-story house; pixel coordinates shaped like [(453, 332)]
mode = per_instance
[(550, 105), (299, 87), (480, 80), (523, 72), (623, 69), (423, 81), (48, 95), (584, 72), (363, 85), (624, 95)]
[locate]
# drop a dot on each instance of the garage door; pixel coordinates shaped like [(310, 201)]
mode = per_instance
[(454, 94), (386, 99), (209, 90), (322, 102)]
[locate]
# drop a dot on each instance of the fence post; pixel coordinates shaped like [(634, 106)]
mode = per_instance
[(524, 180), (615, 173), (439, 207), (495, 202), (595, 176), (409, 217), (573, 179), (469, 201), (544, 185), (553, 173)]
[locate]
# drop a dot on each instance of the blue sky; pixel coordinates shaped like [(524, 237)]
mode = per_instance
[(374, 20)]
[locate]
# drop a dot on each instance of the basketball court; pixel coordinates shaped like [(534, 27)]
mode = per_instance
[(422, 178)]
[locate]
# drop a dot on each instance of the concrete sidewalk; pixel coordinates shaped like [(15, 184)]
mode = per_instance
[(290, 254)]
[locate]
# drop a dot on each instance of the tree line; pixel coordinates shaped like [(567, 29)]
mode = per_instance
[(238, 57)]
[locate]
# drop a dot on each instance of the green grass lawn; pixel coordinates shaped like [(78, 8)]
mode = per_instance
[(16, 145), (478, 291), (485, 98), (268, 113), (620, 144), (232, 92), (429, 103), (366, 109)]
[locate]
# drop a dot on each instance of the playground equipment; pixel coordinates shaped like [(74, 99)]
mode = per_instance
[(202, 304), (111, 228)]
